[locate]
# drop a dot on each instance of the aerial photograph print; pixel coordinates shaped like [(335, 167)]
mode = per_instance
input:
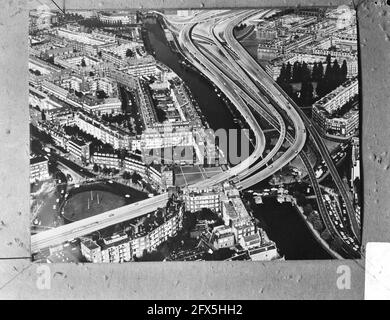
[(194, 135)]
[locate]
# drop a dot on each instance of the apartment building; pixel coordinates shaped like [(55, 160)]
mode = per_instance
[(115, 58), (196, 199), (342, 127), (75, 83), (76, 60), (149, 240), (39, 169), (107, 160), (267, 50), (78, 36), (56, 132), (115, 248), (339, 96), (144, 100), (55, 90), (101, 35), (61, 116), (118, 138), (166, 136), (235, 215), (99, 107), (114, 18), (42, 66), (144, 66), (324, 111), (79, 149), (123, 247), (90, 250), (133, 162), (41, 100), (155, 174)]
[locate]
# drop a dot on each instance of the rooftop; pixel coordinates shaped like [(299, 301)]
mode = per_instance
[(38, 159), (90, 244), (114, 240)]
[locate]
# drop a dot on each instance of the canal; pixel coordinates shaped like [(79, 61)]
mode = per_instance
[(213, 108), (283, 223)]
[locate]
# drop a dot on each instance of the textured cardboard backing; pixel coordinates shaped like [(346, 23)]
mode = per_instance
[(207, 280)]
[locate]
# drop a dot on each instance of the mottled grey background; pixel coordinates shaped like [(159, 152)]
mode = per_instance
[(199, 280)]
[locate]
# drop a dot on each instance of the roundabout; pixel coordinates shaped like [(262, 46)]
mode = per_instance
[(90, 200)]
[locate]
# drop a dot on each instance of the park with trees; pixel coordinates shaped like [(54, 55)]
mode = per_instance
[(326, 77)]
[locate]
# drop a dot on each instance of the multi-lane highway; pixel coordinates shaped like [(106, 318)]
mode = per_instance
[(243, 86), (276, 94), (261, 77), (282, 98), (86, 226)]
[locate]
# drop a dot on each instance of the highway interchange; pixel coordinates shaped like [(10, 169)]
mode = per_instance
[(207, 41)]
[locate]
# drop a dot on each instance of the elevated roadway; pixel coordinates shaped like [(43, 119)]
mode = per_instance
[(86, 226), (264, 80), (80, 228)]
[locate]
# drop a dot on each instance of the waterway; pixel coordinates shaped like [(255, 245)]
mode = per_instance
[(213, 108), (283, 223)]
